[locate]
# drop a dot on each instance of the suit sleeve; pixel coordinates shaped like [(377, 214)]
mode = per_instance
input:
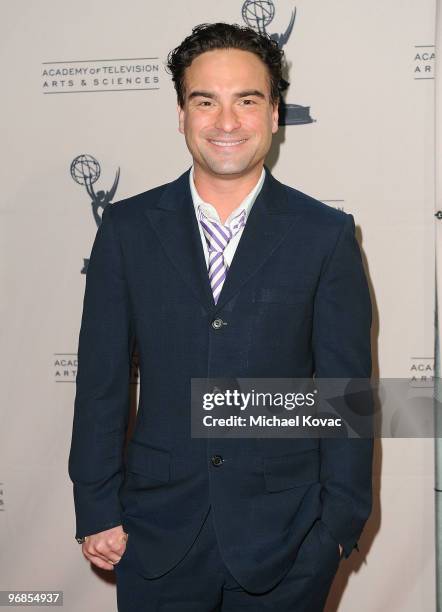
[(341, 345), (101, 406)]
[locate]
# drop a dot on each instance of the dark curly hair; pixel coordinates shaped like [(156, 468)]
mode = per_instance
[(209, 36)]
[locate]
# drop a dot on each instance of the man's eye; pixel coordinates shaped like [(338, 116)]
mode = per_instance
[(204, 102), (248, 100)]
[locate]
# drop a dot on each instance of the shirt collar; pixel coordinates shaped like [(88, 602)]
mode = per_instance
[(211, 212)]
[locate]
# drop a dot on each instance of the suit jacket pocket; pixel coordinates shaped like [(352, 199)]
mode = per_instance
[(281, 294), (295, 470), (148, 461)]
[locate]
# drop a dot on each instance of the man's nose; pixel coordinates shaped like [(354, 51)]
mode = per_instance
[(227, 119)]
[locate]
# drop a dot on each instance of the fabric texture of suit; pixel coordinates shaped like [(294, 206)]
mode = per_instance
[(295, 303)]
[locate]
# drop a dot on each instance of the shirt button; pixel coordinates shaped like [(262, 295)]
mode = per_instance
[(217, 323), (217, 460)]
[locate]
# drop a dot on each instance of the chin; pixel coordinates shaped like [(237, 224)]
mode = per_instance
[(228, 167)]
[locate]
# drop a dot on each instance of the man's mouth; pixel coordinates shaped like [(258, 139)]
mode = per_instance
[(226, 143)]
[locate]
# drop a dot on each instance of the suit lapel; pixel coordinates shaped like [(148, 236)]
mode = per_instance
[(270, 220), (174, 221)]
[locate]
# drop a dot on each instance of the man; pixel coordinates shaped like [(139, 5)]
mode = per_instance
[(224, 272)]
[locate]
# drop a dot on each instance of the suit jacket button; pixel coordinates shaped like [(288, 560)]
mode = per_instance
[(217, 323), (217, 460)]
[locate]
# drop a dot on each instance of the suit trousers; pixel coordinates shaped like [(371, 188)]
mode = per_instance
[(201, 582)]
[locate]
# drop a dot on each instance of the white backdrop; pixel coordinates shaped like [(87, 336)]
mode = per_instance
[(366, 70)]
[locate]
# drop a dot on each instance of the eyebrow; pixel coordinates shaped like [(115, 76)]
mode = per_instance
[(239, 94)]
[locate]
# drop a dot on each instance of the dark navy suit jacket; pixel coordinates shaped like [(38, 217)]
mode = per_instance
[(295, 303)]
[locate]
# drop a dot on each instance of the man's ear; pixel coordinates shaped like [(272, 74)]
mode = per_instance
[(180, 119), (275, 117)]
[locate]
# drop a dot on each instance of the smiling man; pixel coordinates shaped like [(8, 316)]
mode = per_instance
[(224, 272), (228, 111)]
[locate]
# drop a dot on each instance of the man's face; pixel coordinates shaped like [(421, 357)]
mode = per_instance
[(227, 119)]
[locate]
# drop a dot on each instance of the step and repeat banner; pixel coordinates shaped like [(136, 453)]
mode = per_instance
[(88, 117)]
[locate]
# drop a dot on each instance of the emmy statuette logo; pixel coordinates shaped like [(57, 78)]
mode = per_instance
[(258, 14), (86, 170)]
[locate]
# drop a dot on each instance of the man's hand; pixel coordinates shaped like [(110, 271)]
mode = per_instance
[(105, 549)]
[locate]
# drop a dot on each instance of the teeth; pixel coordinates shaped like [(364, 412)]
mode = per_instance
[(226, 144)]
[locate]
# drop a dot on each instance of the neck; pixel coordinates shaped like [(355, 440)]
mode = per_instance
[(225, 192)]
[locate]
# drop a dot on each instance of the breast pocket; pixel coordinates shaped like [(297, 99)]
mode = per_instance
[(282, 294)]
